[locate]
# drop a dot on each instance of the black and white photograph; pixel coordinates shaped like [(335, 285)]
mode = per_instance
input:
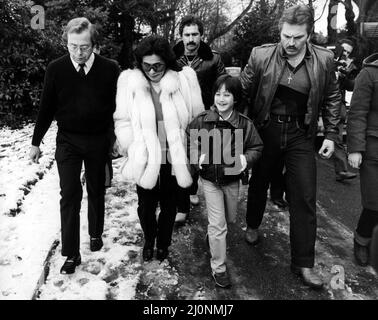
[(189, 155)]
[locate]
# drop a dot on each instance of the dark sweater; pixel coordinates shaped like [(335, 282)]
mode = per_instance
[(81, 105)]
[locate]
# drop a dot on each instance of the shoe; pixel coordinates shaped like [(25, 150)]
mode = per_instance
[(280, 203), (345, 175), (222, 279), (252, 236), (148, 253), (96, 244), (70, 264), (309, 277), (361, 254), (180, 218), (194, 199), (161, 254)]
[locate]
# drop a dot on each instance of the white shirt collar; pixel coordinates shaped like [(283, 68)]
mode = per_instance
[(88, 63)]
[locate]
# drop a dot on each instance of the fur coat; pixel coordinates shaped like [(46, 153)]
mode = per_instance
[(135, 124)]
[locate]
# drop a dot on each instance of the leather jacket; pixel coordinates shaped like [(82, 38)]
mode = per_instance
[(263, 72), (222, 142), (208, 66)]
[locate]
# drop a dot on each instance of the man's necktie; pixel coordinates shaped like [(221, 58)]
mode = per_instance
[(81, 70)]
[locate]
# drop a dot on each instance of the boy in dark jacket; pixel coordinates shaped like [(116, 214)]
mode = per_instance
[(222, 144)]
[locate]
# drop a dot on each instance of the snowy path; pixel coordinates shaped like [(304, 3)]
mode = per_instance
[(30, 245), (29, 215)]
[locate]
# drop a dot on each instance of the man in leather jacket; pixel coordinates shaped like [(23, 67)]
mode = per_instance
[(193, 52), (288, 84)]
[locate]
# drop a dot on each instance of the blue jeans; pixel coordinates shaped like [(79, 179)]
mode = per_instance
[(287, 142)]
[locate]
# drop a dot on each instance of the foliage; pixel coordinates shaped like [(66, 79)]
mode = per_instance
[(258, 27)]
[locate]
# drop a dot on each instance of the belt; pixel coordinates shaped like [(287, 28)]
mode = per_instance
[(286, 118)]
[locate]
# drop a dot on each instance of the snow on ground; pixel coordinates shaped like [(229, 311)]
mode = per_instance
[(29, 211), (17, 174), (30, 233), (113, 272)]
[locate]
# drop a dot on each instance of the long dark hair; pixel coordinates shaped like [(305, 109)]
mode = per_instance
[(156, 45)]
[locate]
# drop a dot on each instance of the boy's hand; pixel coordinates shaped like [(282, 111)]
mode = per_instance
[(327, 149), (243, 162), (201, 159)]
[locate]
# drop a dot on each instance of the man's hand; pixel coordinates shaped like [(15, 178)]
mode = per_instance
[(34, 154), (243, 162), (355, 159), (201, 159), (327, 149)]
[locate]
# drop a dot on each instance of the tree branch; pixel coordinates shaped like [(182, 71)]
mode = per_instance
[(232, 24)]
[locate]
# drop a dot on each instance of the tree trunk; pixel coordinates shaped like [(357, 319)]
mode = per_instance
[(127, 27), (349, 16), (332, 21)]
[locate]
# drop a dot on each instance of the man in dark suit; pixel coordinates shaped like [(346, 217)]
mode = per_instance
[(79, 92)]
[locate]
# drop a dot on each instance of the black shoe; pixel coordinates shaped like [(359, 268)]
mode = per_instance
[(96, 244), (280, 203), (252, 236), (222, 279), (148, 253), (345, 175), (361, 254), (161, 254), (70, 264), (308, 276)]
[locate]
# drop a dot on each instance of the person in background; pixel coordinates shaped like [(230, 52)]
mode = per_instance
[(79, 92), (346, 72), (232, 144), (288, 84), (155, 103), (362, 146), (191, 51)]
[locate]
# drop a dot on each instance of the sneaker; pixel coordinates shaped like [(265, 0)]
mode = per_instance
[(194, 199), (361, 253), (180, 218), (222, 279)]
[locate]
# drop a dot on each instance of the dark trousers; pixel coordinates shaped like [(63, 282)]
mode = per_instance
[(287, 142), (160, 230), (369, 188), (367, 222), (183, 195), (340, 156), (277, 183), (71, 151)]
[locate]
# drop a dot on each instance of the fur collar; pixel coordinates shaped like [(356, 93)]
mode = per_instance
[(204, 51)]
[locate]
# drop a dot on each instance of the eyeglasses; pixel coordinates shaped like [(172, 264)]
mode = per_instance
[(83, 48), (157, 67)]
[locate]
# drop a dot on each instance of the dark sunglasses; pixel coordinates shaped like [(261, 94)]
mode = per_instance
[(158, 67)]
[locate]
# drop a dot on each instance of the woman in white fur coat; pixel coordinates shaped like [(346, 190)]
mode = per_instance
[(155, 103)]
